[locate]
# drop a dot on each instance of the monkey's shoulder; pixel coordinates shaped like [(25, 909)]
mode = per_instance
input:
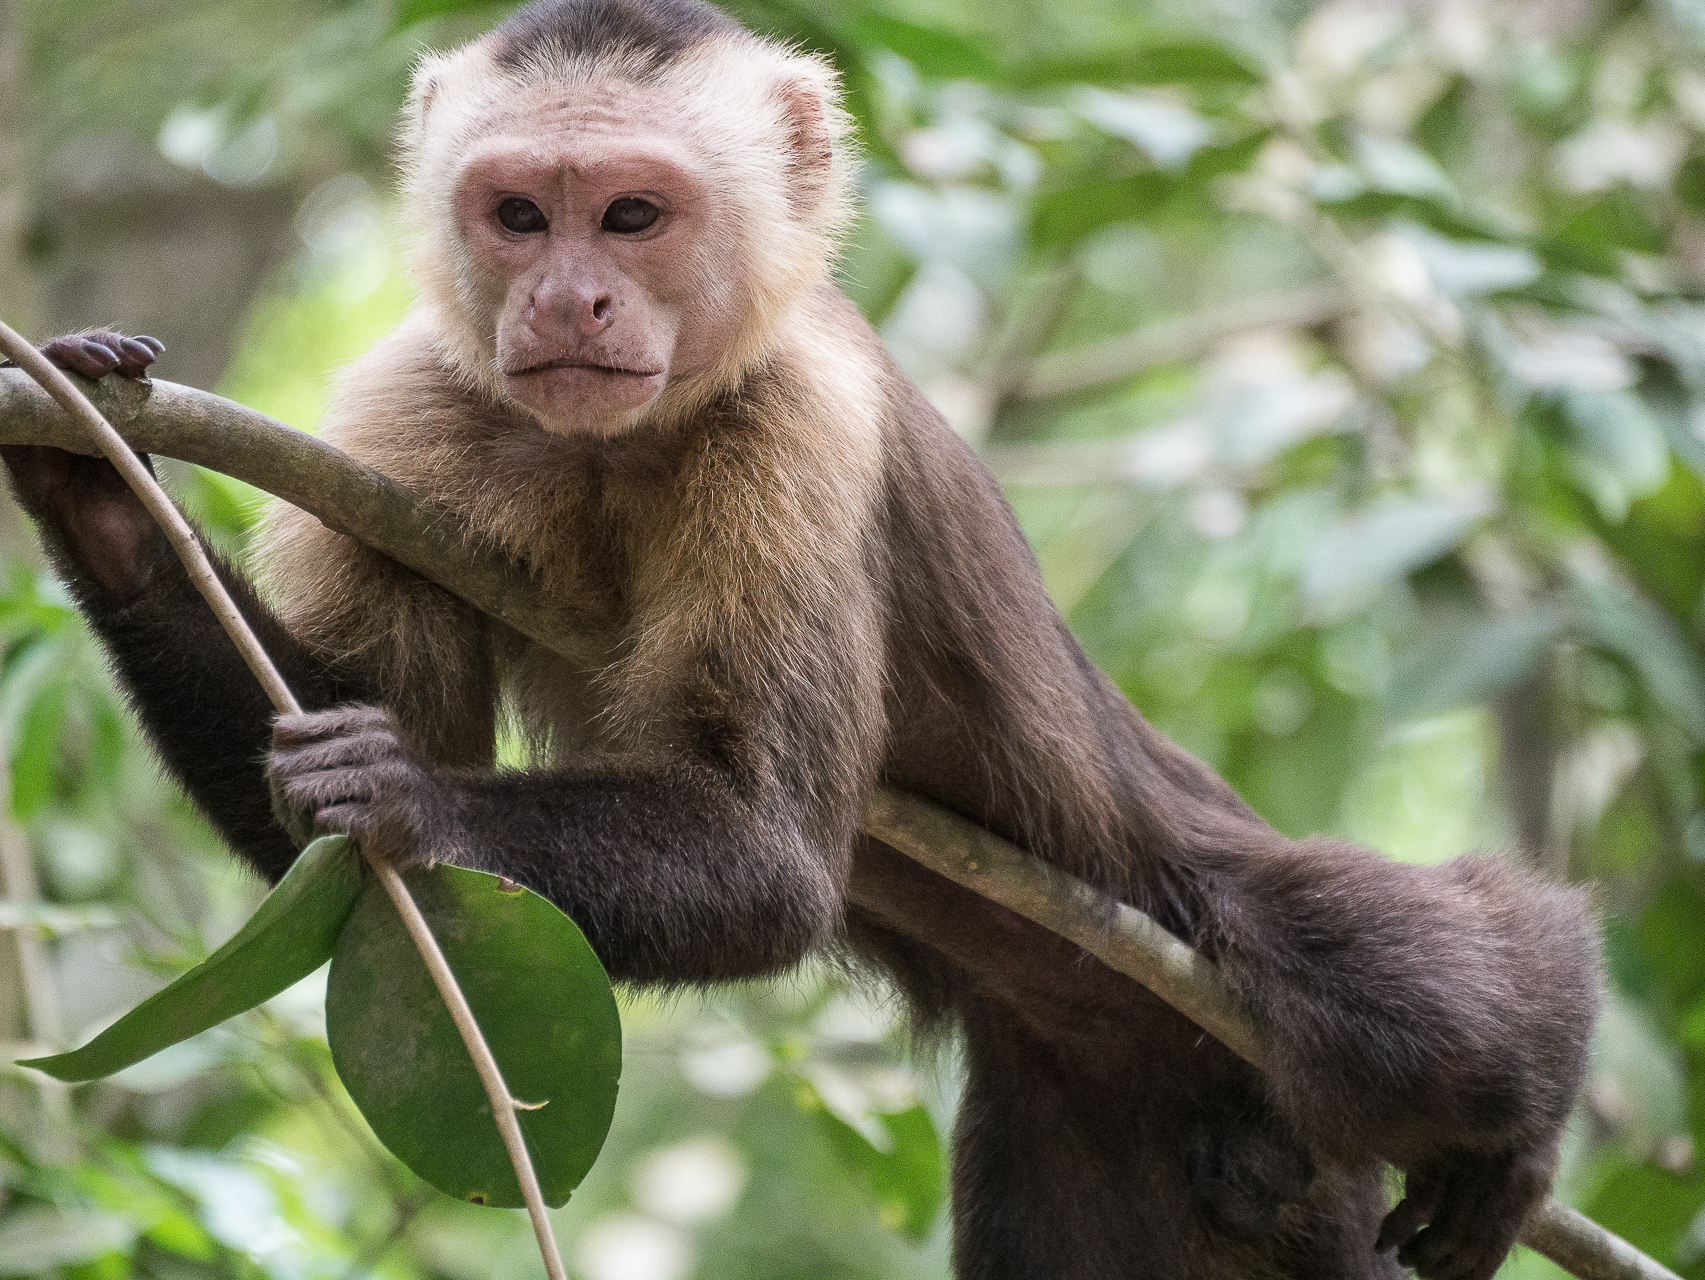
[(402, 409)]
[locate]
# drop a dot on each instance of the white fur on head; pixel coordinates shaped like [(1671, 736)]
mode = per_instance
[(765, 120)]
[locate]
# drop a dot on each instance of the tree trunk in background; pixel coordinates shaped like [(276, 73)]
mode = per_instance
[(1527, 760)]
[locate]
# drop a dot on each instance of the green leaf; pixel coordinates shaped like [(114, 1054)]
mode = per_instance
[(540, 996), (905, 1174), (1470, 663), (410, 12), (935, 51), (1068, 214), (292, 933)]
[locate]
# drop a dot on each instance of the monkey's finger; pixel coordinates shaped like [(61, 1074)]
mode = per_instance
[(349, 818), (1413, 1212), (1431, 1255), (296, 728), (336, 753), (371, 827), (81, 354), (134, 357), (323, 791), (374, 785)]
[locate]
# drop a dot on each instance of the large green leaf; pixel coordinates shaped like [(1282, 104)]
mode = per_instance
[(905, 1175), (292, 933), (540, 996)]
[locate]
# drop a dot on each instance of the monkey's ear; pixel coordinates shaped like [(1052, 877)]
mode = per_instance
[(424, 85), (810, 143)]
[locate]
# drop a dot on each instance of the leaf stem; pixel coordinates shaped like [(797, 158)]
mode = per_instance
[(503, 1104), (189, 550)]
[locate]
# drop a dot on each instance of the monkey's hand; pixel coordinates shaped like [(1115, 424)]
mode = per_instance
[(1460, 1213), (95, 527), (349, 771)]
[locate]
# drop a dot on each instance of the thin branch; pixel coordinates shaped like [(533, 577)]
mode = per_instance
[(1120, 936), (165, 513), (1082, 368), (201, 573), (205, 429)]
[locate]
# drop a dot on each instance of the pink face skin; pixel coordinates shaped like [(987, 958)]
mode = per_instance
[(583, 230)]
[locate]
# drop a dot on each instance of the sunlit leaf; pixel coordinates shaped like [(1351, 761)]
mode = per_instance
[(292, 933), (540, 996), (905, 1175), (33, 1241)]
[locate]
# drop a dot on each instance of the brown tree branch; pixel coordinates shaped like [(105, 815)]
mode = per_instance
[(202, 428)]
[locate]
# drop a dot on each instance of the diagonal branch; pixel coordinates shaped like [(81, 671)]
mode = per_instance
[(198, 427)]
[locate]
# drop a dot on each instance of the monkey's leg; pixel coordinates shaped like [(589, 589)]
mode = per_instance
[(1435, 1016)]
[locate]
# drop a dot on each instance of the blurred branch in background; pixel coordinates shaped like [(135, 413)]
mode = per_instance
[(1113, 359)]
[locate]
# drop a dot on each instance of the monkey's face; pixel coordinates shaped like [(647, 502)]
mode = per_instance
[(584, 240)]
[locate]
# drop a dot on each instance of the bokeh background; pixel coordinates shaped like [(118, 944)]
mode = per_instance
[(1345, 364)]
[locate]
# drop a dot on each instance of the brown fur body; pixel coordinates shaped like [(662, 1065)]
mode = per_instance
[(789, 586)]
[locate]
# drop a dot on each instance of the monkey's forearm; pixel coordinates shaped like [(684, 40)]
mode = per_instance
[(201, 706), (673, 876)]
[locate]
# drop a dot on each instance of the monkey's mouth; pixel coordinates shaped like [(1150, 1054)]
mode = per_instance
[(609, 370)]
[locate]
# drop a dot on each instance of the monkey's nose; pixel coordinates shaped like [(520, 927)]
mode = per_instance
[(597, 316)]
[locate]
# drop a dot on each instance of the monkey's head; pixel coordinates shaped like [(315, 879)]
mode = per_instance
[(618, 202)]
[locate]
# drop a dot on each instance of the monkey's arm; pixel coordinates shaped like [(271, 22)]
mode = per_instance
[(677, 869), (201, 706)]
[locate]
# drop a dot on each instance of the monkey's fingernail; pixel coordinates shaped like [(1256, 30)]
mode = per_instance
[(138, 353), (97, 354), (153, 344)]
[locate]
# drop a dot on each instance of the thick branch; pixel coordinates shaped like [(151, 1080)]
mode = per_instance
[(213, 432)]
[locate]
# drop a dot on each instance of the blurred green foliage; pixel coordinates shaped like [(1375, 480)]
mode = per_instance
[(1345, 364)]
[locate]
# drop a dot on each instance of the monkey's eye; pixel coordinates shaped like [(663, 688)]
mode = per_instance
[(628, 215), (521, 216)]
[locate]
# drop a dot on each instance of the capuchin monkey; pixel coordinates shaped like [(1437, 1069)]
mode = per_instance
[(629, 371)]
